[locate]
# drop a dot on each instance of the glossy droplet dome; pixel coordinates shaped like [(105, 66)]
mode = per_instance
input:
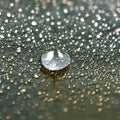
[(55, 60)]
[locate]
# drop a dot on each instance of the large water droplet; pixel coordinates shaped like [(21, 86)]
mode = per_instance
[(55, 60)]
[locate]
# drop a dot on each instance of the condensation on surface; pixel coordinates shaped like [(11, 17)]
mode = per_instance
[(88, 30)]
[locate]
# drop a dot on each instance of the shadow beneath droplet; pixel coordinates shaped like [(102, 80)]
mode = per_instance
[(56, 75)]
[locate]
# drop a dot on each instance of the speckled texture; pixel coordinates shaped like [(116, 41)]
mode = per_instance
[(89, 30)]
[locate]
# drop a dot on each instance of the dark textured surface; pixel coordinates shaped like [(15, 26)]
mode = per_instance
[(89, 31)]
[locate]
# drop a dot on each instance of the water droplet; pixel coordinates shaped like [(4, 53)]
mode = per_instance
[(48, 13), (9, 15), (52, 23), (96, 24), (18, 50), (58, 23), (20, 10), (40, 35), (55, 60), (65, 11), (82, 20), (2, 36), (34, 23)]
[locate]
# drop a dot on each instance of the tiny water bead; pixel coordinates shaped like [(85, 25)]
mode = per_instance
[(55, 60)]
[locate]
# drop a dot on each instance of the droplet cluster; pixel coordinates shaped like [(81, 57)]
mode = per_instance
[(88, 30)]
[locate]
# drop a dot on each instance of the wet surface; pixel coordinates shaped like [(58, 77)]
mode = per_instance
[(89, 31)]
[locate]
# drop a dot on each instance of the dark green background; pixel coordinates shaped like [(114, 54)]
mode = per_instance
[(91, 88)]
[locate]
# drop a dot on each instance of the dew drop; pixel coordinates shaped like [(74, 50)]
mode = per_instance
[(34, 23), (55, 60)]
